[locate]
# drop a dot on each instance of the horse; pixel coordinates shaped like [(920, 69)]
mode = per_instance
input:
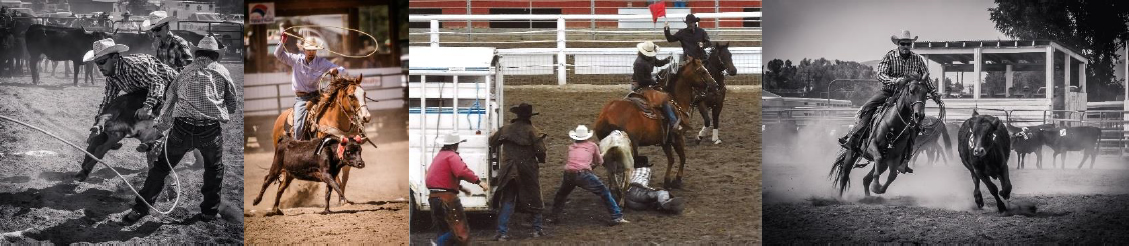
[(619, 161), (710, 102), (932, 129), (645, 130), (984, 149), (341, 111), (900, 119)]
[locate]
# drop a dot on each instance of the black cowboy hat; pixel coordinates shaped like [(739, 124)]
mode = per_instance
[(690, 18), (642, 161), (523, 111)]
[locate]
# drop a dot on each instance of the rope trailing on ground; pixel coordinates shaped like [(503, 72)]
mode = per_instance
[(374, 41), (131, 188)]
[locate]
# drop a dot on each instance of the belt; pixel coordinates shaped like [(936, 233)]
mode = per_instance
[(578, 171), (442, 190), (197, 122), (304, 94)]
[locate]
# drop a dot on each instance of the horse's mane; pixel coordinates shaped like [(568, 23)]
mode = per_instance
[(336, 87)]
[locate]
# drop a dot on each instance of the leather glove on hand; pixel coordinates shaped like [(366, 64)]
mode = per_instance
[(485, 187), (144, 113)]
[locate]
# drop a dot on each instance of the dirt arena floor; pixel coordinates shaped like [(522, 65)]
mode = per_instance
[(380, 212), (935, 204), (41, 203), (721, 181)]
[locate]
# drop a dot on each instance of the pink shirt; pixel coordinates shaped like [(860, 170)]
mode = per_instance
[(446, 170), (582, 156)]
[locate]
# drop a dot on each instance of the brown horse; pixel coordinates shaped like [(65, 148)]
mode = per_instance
[(341, 111), (623, 114), (889, 140), (709, 103)]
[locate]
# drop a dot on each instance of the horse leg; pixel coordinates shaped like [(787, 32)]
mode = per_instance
[(716, 123), (282, 185), (877, 170), (669, 166), (889, 179), (702, 109), (342, 179), (995, 193), (866, 182), (679, 148)]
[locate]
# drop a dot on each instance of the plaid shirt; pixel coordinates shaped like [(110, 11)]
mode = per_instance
[(893, 68), (173, 51), (204, 90), (137, 72)]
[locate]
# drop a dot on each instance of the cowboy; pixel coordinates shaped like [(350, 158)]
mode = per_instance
[(640, 196), (519, 186), (170, 48), (645, 63), (582, 156), (897, 68), (201, 98), (307, 69), (128, 73), (443, 182), (693, 39)]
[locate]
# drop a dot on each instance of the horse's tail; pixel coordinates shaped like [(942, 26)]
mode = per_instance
[(948, 145), (841, 170)]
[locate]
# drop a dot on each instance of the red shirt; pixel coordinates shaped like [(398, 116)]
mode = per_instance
[(446, 170), (582, 156)]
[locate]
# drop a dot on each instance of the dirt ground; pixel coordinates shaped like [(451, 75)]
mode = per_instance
[(721, 181), (379, 190), (41, 203), (935, 204)]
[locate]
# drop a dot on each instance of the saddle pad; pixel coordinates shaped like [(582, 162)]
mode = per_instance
[(643, 106)]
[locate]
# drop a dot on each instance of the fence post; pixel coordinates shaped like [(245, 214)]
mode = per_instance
[(434, 33), (561, 59)]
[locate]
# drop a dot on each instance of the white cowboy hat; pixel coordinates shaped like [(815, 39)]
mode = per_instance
[(580, 133), (311, 43), (450, 139), (156, 18), (902, 35), (104, 47), (208, 43), (648, 48)]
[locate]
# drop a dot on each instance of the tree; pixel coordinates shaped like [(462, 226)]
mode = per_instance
[(1098, 27)]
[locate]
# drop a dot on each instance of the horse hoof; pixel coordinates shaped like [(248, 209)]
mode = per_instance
[(276, 212), (325, 212), (676, 184), (717, 141)]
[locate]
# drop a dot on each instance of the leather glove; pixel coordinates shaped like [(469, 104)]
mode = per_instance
[(485, 187), (144, 113)]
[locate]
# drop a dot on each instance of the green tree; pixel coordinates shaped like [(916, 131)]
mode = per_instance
[(1096, 26)]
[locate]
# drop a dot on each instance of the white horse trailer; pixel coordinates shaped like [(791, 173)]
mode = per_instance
[(453, 89)]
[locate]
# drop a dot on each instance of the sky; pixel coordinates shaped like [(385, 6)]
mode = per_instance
[(860, 30)]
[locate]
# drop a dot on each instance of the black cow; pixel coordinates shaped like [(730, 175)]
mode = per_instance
[(319, 159), (139, 43), (121, 124), (1064, 139), (60, 44), (984, 146), (1028, 140)]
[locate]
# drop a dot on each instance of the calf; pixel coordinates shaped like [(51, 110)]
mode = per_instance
[(1028, 140), (120, 124), (60, 44), (319, 160), (1064, 139), (984, 146)]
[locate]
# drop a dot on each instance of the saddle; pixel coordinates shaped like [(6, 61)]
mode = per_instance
[(649, 101)]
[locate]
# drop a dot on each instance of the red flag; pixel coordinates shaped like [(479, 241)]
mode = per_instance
[(657, 10)]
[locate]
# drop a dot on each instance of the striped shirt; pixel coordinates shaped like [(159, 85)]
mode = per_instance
[(204, 91), (173, 51), (893, 68), (305, 76), (137, 72)]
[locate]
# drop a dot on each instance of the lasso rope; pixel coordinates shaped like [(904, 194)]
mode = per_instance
[(166, 148), (374, 41)]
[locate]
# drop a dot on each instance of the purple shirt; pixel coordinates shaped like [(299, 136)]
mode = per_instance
[(305, 76)]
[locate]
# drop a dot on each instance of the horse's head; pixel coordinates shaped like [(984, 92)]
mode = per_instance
[(915, 97), (695, 73), (725, 58), (352, 97), (984, 133)]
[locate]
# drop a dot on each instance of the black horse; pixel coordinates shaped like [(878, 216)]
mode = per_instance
[(889, 139), (984, 148), (932, 130), (709, 103)]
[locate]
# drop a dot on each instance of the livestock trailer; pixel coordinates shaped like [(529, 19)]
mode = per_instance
[(453, 89)]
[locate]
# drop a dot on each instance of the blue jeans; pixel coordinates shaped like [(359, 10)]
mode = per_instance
[(300, 115), (670, 116), (588, 181), (509, 198)]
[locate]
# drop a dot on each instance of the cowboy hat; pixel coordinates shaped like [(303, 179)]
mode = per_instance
[(690, 18), (102, 48), (902, 35), (648, 48), (311, 43), (208, 43), (156, 18), (580, 133), (450, 139), (523, 110)]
